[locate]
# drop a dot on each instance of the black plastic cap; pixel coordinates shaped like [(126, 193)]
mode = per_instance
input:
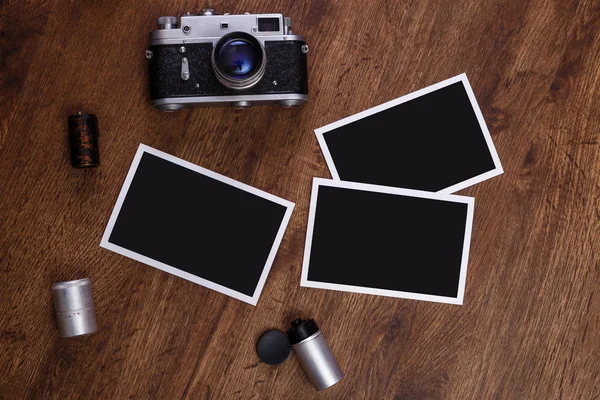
[(273, 347), (302, 329)]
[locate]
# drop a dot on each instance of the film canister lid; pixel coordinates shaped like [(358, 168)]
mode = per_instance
[(273, 347), (301, 330)]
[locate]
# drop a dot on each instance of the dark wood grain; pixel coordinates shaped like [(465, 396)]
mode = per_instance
[(529, 328)]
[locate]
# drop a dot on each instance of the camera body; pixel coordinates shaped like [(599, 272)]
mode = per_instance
[(236, 60)]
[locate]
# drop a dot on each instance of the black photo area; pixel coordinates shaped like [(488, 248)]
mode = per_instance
[(197, 224), (428, 143), (386, 241)]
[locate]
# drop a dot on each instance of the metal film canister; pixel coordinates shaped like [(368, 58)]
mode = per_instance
[(74, 308), (83, 139), (314, 354)]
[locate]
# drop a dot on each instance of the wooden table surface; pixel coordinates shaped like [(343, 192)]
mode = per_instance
[(529, 326)]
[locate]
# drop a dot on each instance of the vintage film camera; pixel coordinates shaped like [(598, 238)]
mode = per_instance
[(235, 60)]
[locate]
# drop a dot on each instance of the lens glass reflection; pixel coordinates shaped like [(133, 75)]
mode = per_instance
[(238, 58)]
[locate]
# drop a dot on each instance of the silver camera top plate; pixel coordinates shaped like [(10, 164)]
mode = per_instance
[(210, 28)]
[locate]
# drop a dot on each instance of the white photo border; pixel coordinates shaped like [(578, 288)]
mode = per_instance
[(105, 243), (318, 182), (458, 78)]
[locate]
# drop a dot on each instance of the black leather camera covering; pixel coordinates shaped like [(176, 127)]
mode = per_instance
[(286, 64)]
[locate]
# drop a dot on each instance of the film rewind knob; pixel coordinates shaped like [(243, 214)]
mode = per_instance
[(167, 22)]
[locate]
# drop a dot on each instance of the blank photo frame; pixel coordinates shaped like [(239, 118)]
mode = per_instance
[(196, 224), (434, 139), (387, 241)]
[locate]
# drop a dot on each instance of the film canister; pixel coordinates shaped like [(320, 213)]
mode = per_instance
[(74, 308), (83, 139), (315, 356)]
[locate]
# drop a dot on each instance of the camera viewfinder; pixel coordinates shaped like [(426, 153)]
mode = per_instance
[(268, 24)]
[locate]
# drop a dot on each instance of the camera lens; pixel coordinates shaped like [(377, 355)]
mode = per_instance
[(239, 60)]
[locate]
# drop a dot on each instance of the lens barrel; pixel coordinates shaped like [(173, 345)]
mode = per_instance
[(239, 60)]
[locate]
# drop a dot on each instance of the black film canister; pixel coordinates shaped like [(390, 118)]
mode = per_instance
[(83, 138)]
